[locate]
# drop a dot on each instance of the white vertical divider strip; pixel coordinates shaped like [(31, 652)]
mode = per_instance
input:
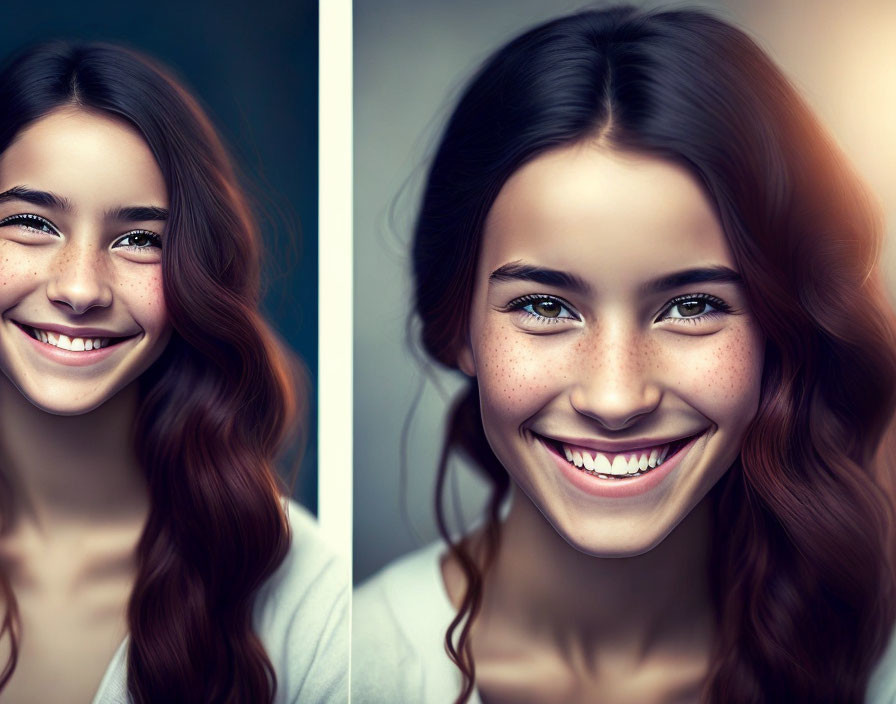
[(334, 389)]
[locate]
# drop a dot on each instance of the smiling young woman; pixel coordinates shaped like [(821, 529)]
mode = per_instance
[(147, 551), (660, 277)]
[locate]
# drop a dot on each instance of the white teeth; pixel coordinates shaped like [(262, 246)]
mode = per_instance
[(620, 466), (74, 344), (601, 463)]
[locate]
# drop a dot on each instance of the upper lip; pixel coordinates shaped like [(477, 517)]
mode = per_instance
[(617, 446), (75, 332)]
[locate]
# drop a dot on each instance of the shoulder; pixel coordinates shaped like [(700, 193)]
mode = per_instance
[(399, 619), (301, 615), (882, 685), (399, 594)]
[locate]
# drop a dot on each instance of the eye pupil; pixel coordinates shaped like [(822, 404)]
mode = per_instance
[(547, 308), (689, 308), (139, 239)]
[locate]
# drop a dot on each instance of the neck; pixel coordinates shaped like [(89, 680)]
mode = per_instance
[(69, 471), (552, 591)]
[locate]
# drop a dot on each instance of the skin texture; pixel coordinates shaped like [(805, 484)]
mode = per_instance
[(78, 504), (605, 362)]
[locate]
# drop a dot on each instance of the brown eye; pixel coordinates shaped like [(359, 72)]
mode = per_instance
[(542, 309), (140, 239), (694, 308), (547, 308), (691, 308)]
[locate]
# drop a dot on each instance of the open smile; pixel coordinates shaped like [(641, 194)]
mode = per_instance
[(619, 464), (74, 347), (83, 342), (591, 469)]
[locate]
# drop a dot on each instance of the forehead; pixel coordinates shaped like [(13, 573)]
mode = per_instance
[(91, 159), (614, 219)]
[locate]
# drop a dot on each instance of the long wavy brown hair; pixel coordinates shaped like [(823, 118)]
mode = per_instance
[(214, 409), (801, 563)]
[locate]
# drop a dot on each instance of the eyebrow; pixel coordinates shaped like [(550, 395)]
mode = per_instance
[(42, 198), (712, 274), (138, 213), (518, 271), (133, 213)]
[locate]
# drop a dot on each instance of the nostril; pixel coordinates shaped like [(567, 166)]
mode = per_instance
[(81, 305)]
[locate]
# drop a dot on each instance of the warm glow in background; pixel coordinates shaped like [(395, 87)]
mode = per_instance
[(843, 60), (410, 59)]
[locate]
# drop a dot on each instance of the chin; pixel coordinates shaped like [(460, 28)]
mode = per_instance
[(67, 401), (612, 541), (65, 409)]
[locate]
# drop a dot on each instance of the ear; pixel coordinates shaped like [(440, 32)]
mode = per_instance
[(465, 360)]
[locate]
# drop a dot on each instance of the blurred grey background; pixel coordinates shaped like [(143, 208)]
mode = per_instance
[(411, 57)]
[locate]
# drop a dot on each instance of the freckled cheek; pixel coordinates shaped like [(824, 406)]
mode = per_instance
[(721, 375), (145, 298), (517, 373), (17, 272)]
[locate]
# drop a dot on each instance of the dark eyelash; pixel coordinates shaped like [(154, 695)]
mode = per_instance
[(523, 301), (722, 308), (23, 218), (153, 237), (517, 304)]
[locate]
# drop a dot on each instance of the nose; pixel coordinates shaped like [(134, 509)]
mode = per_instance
[(80, 278), (618, 381)]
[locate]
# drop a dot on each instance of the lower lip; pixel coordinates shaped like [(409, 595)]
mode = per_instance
[(69, 357), (618, 488)]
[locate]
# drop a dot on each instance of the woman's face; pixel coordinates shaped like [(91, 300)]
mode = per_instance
[(617, 362), (82, 212)]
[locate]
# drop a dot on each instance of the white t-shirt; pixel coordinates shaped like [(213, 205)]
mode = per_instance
[(399, 618), (301, 616)]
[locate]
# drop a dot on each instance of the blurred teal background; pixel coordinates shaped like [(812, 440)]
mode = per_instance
[(253, 67)]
